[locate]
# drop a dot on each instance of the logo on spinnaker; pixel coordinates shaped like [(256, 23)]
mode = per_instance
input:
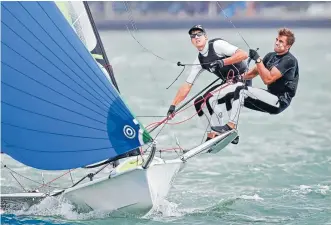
[(129, 132)]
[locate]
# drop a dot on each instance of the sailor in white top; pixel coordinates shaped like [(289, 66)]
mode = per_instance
[(222, 49), (220, 58)]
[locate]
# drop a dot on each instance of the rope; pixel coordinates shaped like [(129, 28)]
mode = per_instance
[(18, 182), (5, 166), (46, 184), (150, 126)]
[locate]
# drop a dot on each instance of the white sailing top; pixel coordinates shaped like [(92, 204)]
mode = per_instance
[(222, 48)]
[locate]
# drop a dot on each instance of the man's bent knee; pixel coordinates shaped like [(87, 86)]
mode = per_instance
[(237, 91)]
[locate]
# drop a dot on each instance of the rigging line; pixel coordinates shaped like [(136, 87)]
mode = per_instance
[(157, 56), (164, 123), (18, 182), (131, 19), (146, 49), (188, 101), (232, 24), (49, 182), (128, 9), (37, 182), (178, 63), (176, 77), (72, 180)]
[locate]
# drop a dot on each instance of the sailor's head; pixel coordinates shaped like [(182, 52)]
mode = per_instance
[(284, 41), (198, 36)]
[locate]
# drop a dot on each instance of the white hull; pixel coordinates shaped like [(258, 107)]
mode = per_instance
[(129, 187), (132, 190)]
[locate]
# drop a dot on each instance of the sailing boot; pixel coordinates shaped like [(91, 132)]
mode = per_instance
[(210, 136), (235, 141), (223, 129)]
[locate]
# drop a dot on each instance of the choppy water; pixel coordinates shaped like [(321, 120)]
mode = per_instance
[(280, 173)]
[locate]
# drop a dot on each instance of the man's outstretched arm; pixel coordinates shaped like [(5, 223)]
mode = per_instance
[(251, 73), (235, 54), (183, 91), (238, 56)]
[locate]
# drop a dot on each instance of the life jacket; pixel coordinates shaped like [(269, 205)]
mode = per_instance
[(205, 61)]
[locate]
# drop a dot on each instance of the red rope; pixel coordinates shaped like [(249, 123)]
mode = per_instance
[(55, 179), (229, 78), (152, 125), (204, 99)]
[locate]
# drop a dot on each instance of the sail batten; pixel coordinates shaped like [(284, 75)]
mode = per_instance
[(59, 110)]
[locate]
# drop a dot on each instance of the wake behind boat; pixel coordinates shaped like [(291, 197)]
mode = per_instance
[(62, 109)]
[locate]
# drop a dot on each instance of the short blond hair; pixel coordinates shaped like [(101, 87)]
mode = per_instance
[(289, 34)]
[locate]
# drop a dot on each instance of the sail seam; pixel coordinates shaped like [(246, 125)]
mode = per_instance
[(55, 90), (40, 114), (52, 103), (107, 87), (52, 62)]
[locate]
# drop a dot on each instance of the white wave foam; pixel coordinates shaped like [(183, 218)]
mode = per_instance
[(306, 189), (324, 189), (163, 209), (54, 207), (255, 197)]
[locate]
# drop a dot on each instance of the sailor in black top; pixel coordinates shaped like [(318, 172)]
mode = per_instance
[(279, 71), (225, 61)]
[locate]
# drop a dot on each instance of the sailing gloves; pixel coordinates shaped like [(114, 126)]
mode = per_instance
[(220, 63), (253, 54), (171, 111)]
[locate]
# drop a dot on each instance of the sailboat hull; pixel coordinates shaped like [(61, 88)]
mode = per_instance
[(129, 190)]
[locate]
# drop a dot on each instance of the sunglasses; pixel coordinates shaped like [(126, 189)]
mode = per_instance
[(199, 34)]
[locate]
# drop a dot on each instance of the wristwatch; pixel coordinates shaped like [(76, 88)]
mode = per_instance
[(258, 60)]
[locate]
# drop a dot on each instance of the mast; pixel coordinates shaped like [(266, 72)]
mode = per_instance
[(96, 33)]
